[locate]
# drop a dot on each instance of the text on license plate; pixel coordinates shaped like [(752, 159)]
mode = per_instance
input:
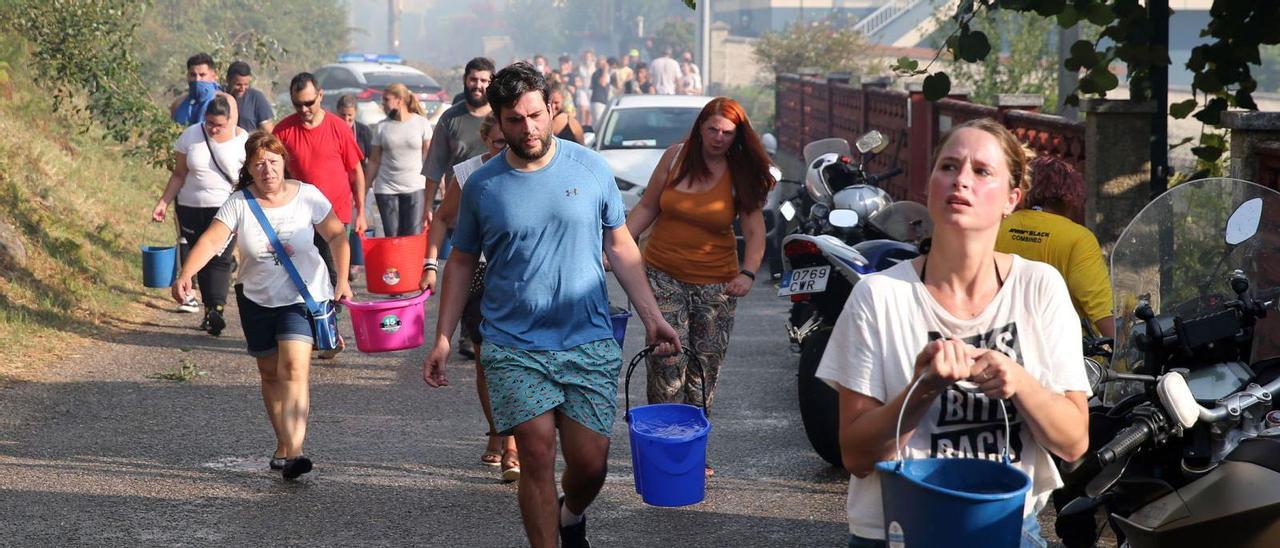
[(804, 280)]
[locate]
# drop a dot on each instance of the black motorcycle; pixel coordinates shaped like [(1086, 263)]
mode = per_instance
[(1185, 445)]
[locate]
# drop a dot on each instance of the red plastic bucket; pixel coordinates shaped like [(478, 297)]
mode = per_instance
[(390, 325), (394, 265)]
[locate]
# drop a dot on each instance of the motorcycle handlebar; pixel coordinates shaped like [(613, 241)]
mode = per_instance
[(875, 179), (1234, 404), (1125, 442)]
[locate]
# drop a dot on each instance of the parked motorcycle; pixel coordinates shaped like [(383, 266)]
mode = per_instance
[(851, 228), (1185, 446)]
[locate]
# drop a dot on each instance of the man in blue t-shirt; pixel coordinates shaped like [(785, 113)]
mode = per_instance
[(541, 212), (202, 87)]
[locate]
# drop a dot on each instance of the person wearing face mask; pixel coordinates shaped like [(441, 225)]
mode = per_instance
[(202, 87), (207, 158), (960, 312), (255, 109), (273, 313), (346, 110), (701, 186), (395, 162)]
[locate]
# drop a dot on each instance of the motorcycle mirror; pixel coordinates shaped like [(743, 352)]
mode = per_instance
[(843, 218), (872, 141), (1106, 478), (1243, 223), (787, 210)]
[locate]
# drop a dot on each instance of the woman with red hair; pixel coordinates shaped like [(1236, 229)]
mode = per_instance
[(719, 174)]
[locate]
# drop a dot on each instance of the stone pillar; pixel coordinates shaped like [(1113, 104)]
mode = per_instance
[(1018, 101), (1117, 172), (1249, 130), (924, 130)]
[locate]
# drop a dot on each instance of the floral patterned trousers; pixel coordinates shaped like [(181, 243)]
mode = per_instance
[(703, 316)]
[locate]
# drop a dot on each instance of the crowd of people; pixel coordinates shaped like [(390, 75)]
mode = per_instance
[(536, 221)]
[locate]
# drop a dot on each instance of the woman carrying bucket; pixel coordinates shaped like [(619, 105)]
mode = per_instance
[(718, 175), (501, 450), (961, 312), (207, 158), (395, 162), (277, 326)]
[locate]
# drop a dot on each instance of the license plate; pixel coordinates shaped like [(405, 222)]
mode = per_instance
[(804, 280)]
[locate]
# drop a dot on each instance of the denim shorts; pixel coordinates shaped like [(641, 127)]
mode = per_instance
[(582, 382), (1031, 537), (263, 326)]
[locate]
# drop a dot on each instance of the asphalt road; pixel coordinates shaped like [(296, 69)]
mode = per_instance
[(93, 452)]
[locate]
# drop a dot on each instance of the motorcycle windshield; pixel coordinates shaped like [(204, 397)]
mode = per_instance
[(1176, 255), (904, 221), (822, 146)]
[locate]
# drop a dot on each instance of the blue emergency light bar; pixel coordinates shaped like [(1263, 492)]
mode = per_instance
[(369, 58)]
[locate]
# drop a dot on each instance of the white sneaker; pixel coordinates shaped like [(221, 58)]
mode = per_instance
[(191, 306)]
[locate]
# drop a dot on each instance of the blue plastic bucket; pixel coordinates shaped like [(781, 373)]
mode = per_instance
[(618, 317), (668, 446), (159, 265), (958, 502)]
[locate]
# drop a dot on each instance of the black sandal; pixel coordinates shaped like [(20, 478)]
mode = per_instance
[(295, 467)]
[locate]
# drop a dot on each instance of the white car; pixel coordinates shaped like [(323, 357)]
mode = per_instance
[(635, 132), (365, 76)]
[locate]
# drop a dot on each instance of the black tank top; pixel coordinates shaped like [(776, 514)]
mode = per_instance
[(567, 133)]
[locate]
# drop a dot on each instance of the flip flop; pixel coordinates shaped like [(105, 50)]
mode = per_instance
[(491, 458), (510, 468)]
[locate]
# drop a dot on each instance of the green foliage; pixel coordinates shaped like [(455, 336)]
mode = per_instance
[(679, 34), (1024, 44), (758, 101), (186, 371), (1221, 69), (825, 44), (83, 51)]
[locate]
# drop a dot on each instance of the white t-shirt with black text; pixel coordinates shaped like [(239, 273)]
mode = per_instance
[(890, 317), (265, 280), (204, 186)]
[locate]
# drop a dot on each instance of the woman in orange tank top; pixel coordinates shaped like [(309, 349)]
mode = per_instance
[(718, 175)]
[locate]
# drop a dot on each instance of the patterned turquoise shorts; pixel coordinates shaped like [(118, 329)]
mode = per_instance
[(581, 381)]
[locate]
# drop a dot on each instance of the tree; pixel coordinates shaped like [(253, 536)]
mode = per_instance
[(829, 45), (679, 34), (1023, 65), (1222, 75)]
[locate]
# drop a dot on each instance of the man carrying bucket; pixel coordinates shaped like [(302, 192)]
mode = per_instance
[(541, 212)]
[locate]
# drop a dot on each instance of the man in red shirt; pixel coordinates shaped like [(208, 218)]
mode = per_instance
[(323, 152)]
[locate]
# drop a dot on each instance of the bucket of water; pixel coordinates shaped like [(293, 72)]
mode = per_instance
[(668, 445), (953, 502), (394, 264), (159, 265), (618, 317), (390, 325)]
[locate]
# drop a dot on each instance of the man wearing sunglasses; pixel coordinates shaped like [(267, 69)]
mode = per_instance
[(323, 152)]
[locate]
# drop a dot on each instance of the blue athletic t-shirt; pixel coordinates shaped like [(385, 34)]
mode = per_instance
[(542, 233)]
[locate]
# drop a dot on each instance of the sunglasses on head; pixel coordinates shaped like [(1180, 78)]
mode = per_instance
[(308, 104)]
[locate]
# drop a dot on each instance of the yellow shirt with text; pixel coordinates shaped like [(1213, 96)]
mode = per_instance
[(1070, 248)]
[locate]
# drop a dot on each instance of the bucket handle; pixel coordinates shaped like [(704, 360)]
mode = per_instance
[(897, 433), (416, 299), (631, 367)]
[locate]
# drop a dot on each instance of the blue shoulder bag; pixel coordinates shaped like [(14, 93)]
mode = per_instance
[(324, 324)]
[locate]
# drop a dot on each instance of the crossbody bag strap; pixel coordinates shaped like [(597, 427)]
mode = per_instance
[(214, 157), (280, 252)]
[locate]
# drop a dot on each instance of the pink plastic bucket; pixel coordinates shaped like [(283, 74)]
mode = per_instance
[(390, 325)]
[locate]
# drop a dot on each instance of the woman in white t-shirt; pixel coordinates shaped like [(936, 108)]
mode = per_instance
[(207, 158), (960, 312), (395, 162), (501, 450), (272, 311)]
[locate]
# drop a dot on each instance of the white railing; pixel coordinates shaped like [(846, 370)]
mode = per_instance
[(886, 14)]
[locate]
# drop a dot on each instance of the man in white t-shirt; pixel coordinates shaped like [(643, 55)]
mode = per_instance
[(665, 72)]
